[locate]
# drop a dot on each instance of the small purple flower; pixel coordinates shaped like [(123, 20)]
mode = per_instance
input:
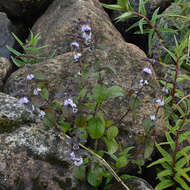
[(143, 82), (30, 77), (153, 117), (42, 114), (75, 44), (160, 102), (77, 56), (36, 91), (165, 90), (87, 37), (85, 28), (23, 100), (147, 71), (75, 110), (78, 162)]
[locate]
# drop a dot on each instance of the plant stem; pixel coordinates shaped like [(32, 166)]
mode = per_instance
[(175, 81), (176, 150)]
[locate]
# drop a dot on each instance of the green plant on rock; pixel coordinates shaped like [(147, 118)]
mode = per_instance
[(31, 53), (174, 171)]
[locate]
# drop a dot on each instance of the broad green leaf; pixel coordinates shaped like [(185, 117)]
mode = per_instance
[(99, 93), (122, 162), (112, 145), (112, 132), (40, 76), (94, 176), (149, 147), (80, 172), (115, 91), (95, 128), (45, 94)]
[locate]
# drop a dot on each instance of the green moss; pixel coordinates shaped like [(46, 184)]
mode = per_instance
[(7, 126)]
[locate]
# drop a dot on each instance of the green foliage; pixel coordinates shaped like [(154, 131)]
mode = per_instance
[(31, 51)]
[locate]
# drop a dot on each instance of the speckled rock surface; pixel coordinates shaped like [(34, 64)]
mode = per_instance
[(12, 113), (36, 157), (5, 68), (63, 20), (61, 73)]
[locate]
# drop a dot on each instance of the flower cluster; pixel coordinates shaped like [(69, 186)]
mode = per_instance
[(70, 102), (160, 102), (77, 160), (86, 34)]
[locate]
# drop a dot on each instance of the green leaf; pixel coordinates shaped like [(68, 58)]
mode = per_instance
[(159, 161), (165, 183), (112, 132), (142, 9), (94, 176), (65, 126), (17, 62), (122, 162), (165, 154), (79, 172), (141, 23), (112, 145), (115, 91), (99, 93), (95, 128), (125, 16), (149, 147), (163, 173), (113, 7), (45, 93), (40, 76), (172, 55), (18, 40), (181, 182), (169, 139)]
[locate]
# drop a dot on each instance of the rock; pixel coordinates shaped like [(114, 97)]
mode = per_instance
[(5, 68), (24, 10), (12, 113), (134, 183), (61, 73), (6, 38), (63, 21), (36, 157)]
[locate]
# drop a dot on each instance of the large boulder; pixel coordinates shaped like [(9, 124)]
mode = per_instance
[(36, 157), (6, 38)]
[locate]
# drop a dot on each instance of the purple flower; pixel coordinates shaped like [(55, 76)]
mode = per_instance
[(30, 77), (153, 117), (147, 71), (78, 162), (36, 91), (85, 28), (77, 56), (143, 82), (165, 90), (72, 104), (75, 44), (87, 37), (160, 102), (42, 114), (23, 100)]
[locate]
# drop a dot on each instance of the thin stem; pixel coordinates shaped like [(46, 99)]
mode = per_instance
[(109, 168), (175, 81), (176, 150)]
